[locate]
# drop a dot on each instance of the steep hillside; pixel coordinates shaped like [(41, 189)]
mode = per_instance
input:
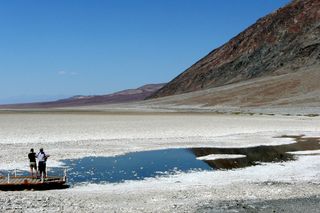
[(299, 90), (282, 42)]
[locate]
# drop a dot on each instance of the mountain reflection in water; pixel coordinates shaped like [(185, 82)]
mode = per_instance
[(255, 155)]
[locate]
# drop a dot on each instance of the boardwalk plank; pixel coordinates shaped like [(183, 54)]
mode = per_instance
[(25, 182)]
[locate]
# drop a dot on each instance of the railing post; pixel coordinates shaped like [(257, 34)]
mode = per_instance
[(65, 174), (15, 172), (8, 177)]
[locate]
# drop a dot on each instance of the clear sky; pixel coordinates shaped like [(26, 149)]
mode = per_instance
[(59, 48)]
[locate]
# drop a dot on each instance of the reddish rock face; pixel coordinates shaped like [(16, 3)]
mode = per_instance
[(279, 43)]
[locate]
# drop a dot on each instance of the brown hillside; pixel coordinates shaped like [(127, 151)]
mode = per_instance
[(297, 89), (281, 42)]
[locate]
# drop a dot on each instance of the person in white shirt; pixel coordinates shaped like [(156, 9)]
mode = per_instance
[(42, 159)]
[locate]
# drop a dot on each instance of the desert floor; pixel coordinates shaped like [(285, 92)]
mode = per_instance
[(287, 186)]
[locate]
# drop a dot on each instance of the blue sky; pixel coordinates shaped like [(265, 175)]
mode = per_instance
[(52, 49)]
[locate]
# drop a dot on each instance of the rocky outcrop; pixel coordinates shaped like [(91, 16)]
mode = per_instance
[(281, 42)]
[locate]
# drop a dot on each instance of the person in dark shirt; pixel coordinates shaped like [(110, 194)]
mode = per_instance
[(33, 164)]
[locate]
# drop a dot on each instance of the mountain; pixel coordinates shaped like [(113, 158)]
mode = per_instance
[(280, 44), (124, 96)]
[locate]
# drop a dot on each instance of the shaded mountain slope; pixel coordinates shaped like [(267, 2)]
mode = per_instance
[(297, 89), (281, 42)]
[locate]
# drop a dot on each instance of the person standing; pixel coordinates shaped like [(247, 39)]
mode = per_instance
[(42, 159), (33, 163)]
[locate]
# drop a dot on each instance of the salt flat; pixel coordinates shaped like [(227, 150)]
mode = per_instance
[(79, 134)]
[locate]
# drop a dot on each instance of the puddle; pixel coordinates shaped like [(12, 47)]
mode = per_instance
[(133, 166), (148, 164)]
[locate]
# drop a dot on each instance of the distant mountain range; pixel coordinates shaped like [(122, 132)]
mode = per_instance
[(124, 96), (274, 61)]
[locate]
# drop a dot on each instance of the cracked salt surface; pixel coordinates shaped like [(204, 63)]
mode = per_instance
[(77, 136)]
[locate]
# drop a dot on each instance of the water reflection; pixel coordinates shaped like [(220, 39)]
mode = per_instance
[(255, 155)]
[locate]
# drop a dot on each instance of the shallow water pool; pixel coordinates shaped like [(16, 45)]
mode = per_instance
[(157, 163)]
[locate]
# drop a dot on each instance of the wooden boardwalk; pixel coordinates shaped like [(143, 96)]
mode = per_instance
[(30, 183)]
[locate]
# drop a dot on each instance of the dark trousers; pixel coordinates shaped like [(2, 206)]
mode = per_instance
[(42, 168)]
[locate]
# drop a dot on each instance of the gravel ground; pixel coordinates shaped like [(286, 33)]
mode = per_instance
[(262, 197), (307, 204)]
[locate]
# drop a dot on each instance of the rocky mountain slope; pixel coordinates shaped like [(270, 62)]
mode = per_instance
[(124, 96), (292, 93), (283, 42)]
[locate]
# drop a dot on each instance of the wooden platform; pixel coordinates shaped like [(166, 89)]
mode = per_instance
[(13, 183)]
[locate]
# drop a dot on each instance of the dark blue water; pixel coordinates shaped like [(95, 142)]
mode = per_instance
[(133, 166)]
